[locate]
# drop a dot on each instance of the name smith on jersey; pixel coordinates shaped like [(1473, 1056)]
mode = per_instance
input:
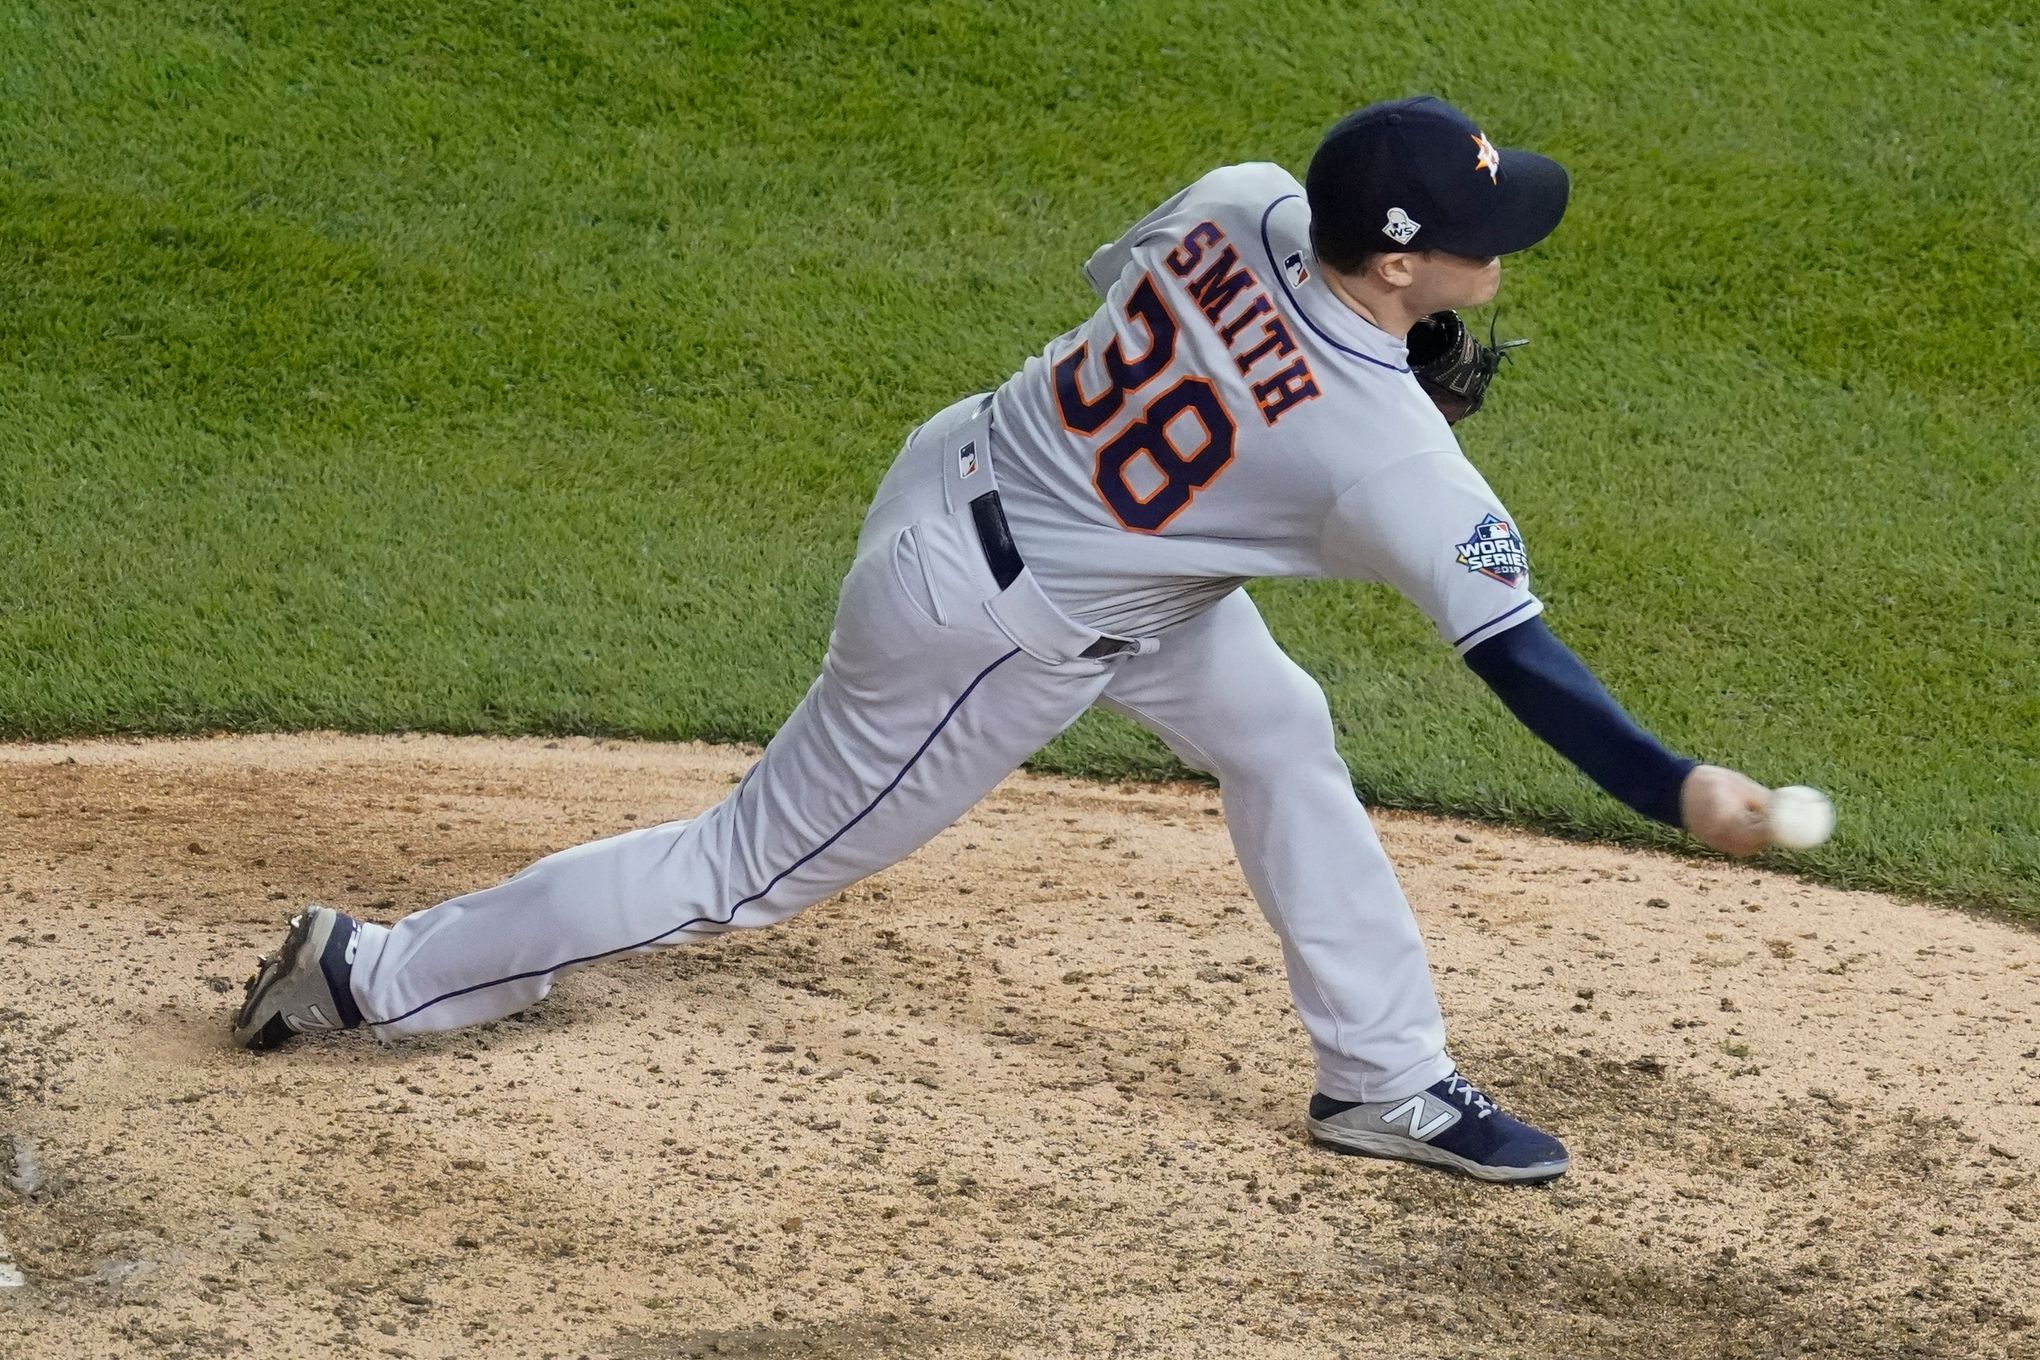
[(1224, 283)]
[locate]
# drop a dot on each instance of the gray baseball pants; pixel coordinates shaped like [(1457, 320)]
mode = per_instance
[(936, 686)]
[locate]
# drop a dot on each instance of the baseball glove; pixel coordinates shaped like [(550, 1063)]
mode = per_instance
[(1452, 367)]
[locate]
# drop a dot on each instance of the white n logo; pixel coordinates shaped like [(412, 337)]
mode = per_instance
[(1411, 1111)]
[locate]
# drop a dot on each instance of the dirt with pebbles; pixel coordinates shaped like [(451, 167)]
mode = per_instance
[(1035, 1092)]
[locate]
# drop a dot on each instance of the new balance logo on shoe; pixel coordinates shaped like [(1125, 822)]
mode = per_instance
[(1411, 1112), (1450, 1124)]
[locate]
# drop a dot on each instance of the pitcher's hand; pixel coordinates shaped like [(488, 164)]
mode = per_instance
[(1725, 810)]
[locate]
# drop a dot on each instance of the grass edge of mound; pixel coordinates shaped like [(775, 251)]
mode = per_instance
[(1555, 823)]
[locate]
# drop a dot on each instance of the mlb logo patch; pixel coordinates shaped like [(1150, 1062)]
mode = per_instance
[(1299, 273), (1496, 551), (966, 458)]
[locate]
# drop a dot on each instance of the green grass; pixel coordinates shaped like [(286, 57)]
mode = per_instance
[(525, 368)]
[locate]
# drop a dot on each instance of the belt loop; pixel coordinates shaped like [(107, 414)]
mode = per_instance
[(995, 537), (1106, 645)]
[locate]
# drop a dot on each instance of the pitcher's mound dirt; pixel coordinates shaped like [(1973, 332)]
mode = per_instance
[(1035, 1092)]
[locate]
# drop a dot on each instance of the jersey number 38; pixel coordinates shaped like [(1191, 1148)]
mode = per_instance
[(1145, 474)]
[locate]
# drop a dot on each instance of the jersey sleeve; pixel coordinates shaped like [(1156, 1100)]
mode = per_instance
[(1229, 188), (1109, 261), (1429, 525)]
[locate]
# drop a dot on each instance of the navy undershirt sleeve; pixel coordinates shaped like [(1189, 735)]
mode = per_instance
[(1552, 693)]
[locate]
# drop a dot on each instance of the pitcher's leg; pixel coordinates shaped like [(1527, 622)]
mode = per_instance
[(1228, 701), (912, 721)]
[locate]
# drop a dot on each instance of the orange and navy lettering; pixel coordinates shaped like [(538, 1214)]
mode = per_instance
[(1177, 475), (1223, 283), (1182, 474), (1143, 474), (1217, 287), (1187, 256), (1088, 415)]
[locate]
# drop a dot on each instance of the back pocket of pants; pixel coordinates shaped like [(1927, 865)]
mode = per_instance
[(910, 569)]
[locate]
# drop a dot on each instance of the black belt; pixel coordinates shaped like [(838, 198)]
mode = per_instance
[(1003, 558)]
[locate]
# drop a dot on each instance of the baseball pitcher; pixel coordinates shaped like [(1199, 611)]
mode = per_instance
[(1263, 390)]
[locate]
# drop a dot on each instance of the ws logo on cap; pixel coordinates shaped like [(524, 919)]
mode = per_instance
[(1496, 551), (1400, 228)]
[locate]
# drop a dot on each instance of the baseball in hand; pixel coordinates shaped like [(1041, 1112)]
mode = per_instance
[(1800, 818)]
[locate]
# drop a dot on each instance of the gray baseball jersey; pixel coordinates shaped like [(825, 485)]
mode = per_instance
[(1221, 417), (1224, 416)]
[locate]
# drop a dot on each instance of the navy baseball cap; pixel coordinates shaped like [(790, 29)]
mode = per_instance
[(1417, 174)]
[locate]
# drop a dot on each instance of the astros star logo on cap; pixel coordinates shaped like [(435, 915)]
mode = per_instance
[(1489, 159)]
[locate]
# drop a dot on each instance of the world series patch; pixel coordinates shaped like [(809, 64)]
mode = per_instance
[(1495, 551)]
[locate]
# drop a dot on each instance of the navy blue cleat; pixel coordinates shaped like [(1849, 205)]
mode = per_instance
[(304, 986), (1449, 1124)]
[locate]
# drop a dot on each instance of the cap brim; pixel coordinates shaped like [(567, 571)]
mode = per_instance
[(1534, 193)]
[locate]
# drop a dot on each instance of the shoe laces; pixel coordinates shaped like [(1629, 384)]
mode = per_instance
[(1456, 1085)]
